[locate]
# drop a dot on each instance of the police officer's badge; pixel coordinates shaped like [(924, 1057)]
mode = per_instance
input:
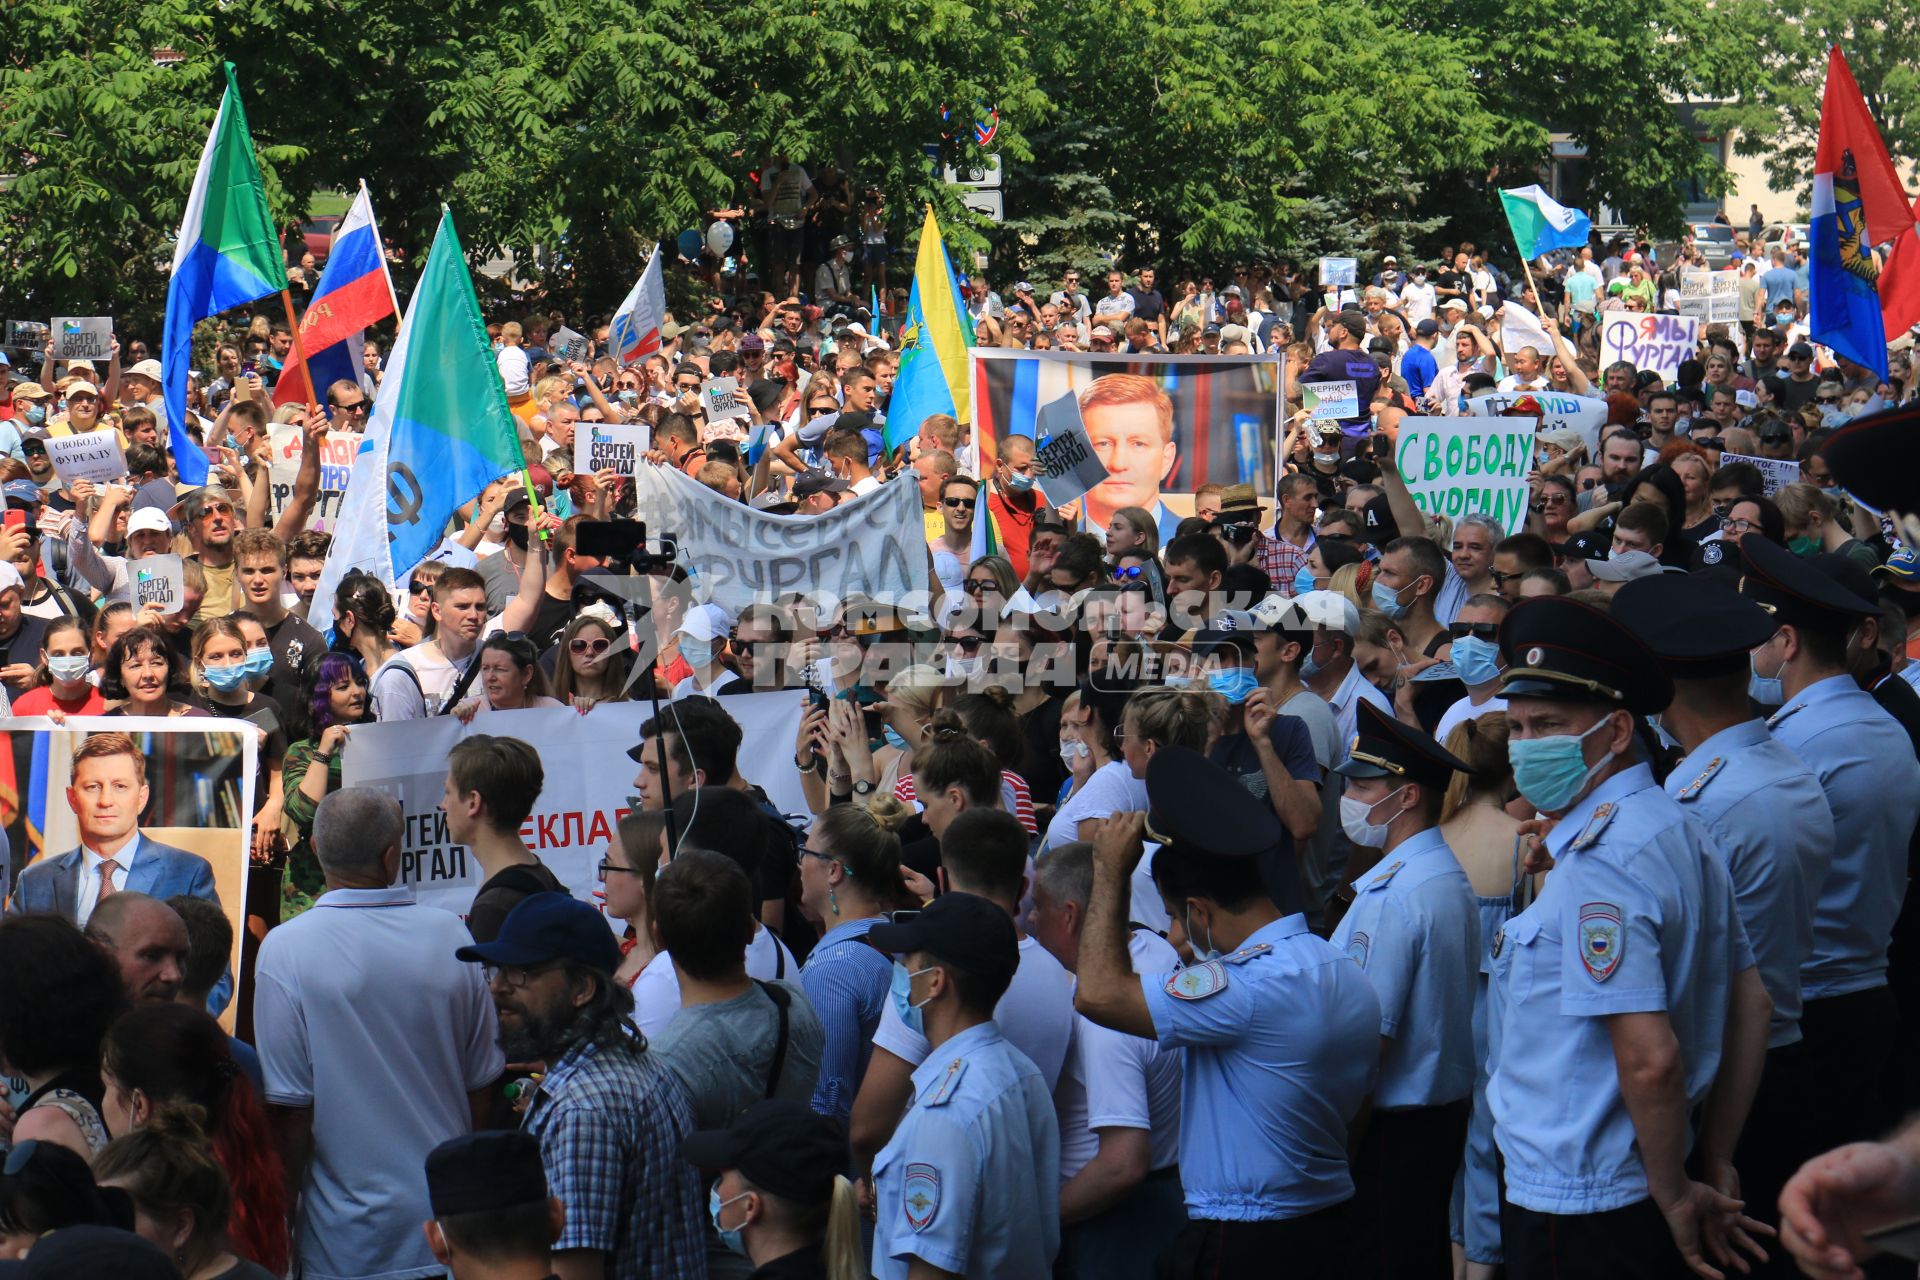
[(1197, 981), (920, 1194), (1603, 939), (1357, 948)]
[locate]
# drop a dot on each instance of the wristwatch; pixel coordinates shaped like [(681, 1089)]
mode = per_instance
[(862, 787)]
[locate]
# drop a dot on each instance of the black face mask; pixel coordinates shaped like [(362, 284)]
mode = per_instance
[(517, 536)]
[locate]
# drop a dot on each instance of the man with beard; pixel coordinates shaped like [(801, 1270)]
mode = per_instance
[(609, 1115)]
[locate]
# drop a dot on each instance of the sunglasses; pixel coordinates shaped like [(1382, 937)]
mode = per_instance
[(815, 410), (419, 588), (1129, 572), (1826, 399), (589, 645), (967, 644), (1708, 442), (1587, 484), (979, 586), (1479, 630), (958, 504), (360, 407)]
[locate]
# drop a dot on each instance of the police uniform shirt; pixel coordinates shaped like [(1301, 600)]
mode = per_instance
[(1116, 1081), (1282, 1038), (1635, 895), (1346, 706), (1771, 826), (971, 1180), (1867, 769), (1414, 930)]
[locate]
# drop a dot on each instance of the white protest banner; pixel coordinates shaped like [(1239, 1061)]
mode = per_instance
[(87, 455), (1326, 401), (1339, 270), (1068, 465), (569, 345), (874, 545), (721, 398), (82, 337), (1653, 342), (1777, 473), (1712, 297), (289, 442), (1520, 328), (589, 778), (1585, 414), (158, 581), (612, 446), (1456, 465), (26, 335)]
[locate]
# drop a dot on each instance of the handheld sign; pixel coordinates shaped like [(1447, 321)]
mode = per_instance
[(82, 337), (87, 455), (1453, 466), (26, 335), (157, 581), (1558, 410), (1325, 401), (615, 446), (1775, 473), (721, 398), (569, 345), (1343, 271), (1653, 342), (1069, 466)]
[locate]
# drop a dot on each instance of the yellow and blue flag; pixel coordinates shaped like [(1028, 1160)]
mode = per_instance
[(934, 338)]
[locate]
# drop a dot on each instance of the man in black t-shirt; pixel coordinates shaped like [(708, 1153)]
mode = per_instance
[(20, 634), (260, 570), (1453, 281), (1149, 305)]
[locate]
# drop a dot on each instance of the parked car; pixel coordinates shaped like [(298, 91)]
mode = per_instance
[(1715, 241), (1784, 234), (318, 234)]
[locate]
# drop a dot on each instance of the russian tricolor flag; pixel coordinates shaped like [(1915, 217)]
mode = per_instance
[(354, 292), (635, 331)]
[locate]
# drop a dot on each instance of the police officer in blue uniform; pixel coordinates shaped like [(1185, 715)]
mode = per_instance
[(1414, 930), (969, 1185), (1769, 822), (1625, 999), (1865, 764), (1281, 1030)]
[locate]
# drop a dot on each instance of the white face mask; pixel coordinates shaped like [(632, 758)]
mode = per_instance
[(1354, 815)]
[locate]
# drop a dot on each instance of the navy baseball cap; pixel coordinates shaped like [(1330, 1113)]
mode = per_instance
[(23, 493), (545, 927)]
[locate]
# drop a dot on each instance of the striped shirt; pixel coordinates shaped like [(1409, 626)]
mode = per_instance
[(1015, 795)]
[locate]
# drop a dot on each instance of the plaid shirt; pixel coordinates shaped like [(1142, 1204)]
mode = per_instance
[(1281, 560), (610, 1118)]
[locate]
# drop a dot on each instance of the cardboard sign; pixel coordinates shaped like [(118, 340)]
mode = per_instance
[(157, 581), (336, 468), (1069, 467), (721, 398), (1558, 410), (615, 446), (1340, 271), (1777, 473), (82, 337), (1326, 401), (1711, 297), (1653, 342), (87, 455), (1453, 466), (26, 335), (569, 345)]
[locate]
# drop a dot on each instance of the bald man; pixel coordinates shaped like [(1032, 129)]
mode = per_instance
[(147, 939)]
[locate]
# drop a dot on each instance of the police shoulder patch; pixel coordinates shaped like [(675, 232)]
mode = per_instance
[(1603, 938), (1700, 781), (1358, 947), (1595, 825), (920, 1195), (1197, 981)]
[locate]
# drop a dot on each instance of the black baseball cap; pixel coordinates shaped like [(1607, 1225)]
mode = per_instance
[(89, 1252), (780, 1145), (544, 927), (963, 930), (808, 483), (483, 1172)]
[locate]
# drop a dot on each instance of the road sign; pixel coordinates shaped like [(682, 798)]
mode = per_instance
[(989, 203), (984, 174)]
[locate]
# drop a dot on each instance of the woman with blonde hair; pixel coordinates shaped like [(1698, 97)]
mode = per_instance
[(1355, 582), (1486, 840), (783, 1197)]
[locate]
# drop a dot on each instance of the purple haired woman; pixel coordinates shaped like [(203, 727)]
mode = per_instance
[(334, 698)]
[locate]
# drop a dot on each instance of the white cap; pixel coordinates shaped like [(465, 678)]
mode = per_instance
[(1624, 566), (1453, 304), (10, 578), (705, 622), (1329, 609), (150, 370), (149, 520)]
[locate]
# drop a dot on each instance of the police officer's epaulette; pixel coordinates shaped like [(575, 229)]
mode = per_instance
[(1245, 954), (1774, 719), (943, 1092), (1595, 825), (1699, 783), (1386, 873)]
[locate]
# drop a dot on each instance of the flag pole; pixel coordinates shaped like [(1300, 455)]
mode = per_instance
[(300, 351), (380, 247)]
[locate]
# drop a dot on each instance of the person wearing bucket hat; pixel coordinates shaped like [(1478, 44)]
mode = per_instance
[(1281, 1030), (1414, 930), (970, 1181), (1629, 980), (785, 1166)]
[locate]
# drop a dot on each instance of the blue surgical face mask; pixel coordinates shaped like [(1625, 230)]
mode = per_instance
[(1233, 685), (901, 993), (1309, 666), (1019, 483), (1387, 601), (70, 668), (629, 396), (226, 679), (36, 414), (259, 663), (1303, 581), (893, 738), (1476, 661), (1768, 691), (729, 1237), (697, 652), (1552, 772), (1200, 953)]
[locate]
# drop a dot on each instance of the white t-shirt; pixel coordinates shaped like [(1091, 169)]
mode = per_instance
[(1035, 1015), (512, 363), (1116, 1081), (787, 190), (656, 990), (1416, 301), (1462, 711), (1112, 789)]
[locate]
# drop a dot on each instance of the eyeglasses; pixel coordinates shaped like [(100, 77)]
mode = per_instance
[(1499, 580), (686, 386), (1479, 630), (593, 645), (609, 868), (1826, 399), (1738, 526), (358, 407), (517, 976), (803, 853)]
